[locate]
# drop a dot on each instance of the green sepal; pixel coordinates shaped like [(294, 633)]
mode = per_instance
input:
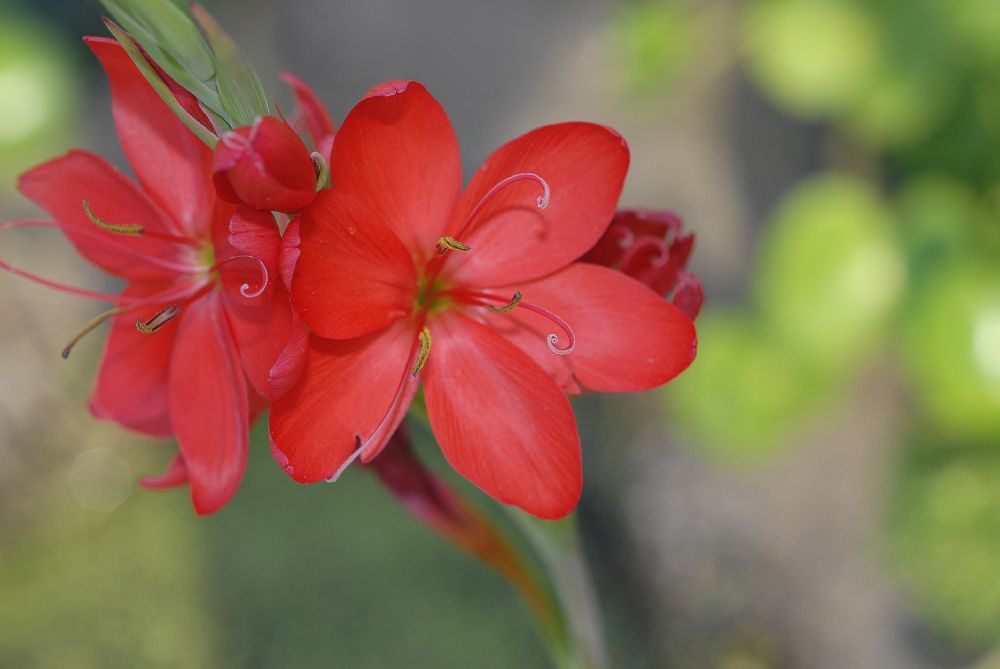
[(240, 90), (160, 86)]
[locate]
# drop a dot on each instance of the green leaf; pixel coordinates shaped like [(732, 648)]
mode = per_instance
[(160, 86), (240, 90)]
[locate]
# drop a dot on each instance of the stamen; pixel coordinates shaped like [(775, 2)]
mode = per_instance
[(158, 320), (451, 244), (120, 246), (369, 448), (245, 288), (542, 201), (348, 462), (134, 230), (479, 299), (553, 339), (322, 170), (117, 228), (507, 308), (89, 327), (423, 352)]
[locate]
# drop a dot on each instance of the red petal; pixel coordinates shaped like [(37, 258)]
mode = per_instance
[(312, 112), (171, 163), (61, 185), (175, 475), (689, 295), (131, 386), (397, 152), (255, 233), (291, 243), (271, 339), (353, 275), (288, 367), (270, 335), (208, 404), (500, 420), (627, 337), (345, 390), (511, 238)]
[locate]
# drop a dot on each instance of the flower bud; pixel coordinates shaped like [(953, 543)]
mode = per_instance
[(649, 246), (265, 165)]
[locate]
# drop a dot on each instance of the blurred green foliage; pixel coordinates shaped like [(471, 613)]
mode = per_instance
[(39, 95), (899, 261), (285, 576), (945, 538)]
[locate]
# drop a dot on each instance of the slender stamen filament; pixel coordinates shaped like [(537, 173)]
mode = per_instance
[(245, 288), (185, 295), (76, 231), (369, 447), (89, 327), (423, 351), (542, 201), (158, 320), (481, 299), (552, 339), (134, 230), (451, 244)]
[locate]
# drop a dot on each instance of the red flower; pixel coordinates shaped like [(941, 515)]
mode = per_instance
[(266, 166), (203, 287), (649, 246), (403, 276)]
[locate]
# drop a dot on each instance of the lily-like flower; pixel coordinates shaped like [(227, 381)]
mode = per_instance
[(203, 331), (651, 247), (265, 165), (402, 277)]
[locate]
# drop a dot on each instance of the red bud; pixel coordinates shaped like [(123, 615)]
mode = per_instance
[(265, 165), (649, 246)]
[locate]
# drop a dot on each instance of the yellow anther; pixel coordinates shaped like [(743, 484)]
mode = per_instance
[(514, 301), (451, 244), (89, 327), (159, 319), (424, 341), (117, 228)]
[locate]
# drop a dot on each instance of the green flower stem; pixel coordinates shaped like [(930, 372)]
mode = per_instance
[(558, 548), (554, 580)]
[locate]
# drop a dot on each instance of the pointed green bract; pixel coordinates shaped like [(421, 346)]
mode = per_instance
[(174, 43), (240, 90), (171, 30), (160, 86)]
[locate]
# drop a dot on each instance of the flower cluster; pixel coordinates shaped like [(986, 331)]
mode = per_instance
[(337, 274)]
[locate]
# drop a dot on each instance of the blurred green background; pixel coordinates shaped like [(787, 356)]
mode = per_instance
[(822, 487)]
